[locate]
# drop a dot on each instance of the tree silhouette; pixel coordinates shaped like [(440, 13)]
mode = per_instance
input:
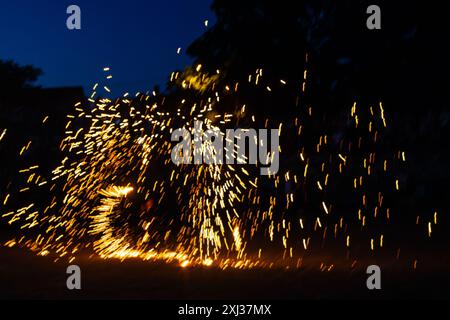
[(14, 78), (346, 60), (250, 35)]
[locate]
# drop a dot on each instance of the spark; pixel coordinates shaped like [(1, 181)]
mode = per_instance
[(111, 193)]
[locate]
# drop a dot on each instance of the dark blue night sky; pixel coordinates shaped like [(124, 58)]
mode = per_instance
[(137, 39)]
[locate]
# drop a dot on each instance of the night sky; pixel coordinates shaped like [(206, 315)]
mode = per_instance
[(137, 39)]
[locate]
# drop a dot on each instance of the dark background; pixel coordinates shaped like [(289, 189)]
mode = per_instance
[(405, 65)]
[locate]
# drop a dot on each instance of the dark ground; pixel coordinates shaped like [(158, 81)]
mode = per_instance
[(26, 276)]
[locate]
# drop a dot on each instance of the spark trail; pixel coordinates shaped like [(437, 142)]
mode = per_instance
[(117, 194)]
